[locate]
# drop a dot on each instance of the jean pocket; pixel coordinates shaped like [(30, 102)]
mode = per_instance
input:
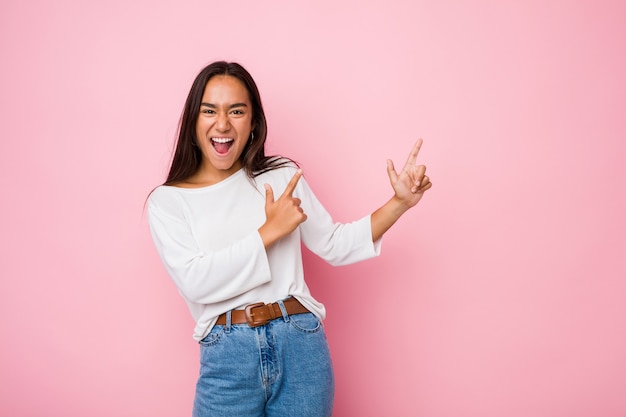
[(213, 337), (305, 323)]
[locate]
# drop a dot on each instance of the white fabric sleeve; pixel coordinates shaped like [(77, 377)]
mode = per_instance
[(201, 277), (336, 243)]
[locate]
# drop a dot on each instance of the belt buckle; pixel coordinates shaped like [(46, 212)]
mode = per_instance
[(252, 322)]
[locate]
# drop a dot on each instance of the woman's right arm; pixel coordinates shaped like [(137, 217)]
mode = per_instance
[(200, 276)]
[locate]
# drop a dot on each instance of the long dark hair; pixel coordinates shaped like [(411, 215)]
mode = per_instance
[(187, 157)]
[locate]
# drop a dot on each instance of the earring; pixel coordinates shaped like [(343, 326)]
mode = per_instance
[(252, 136)]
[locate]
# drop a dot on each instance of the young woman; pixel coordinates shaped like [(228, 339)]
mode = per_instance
[(228, 224)]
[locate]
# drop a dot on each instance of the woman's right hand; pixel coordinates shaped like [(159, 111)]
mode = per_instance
[(282, 216)]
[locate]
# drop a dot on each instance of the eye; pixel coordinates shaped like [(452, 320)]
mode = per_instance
[(207, 111), (237, 112)]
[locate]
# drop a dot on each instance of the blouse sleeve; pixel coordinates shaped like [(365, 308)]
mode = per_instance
[(337, 243), (204, 277)]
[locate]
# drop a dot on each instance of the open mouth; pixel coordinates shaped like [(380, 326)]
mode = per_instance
[(222, 145)]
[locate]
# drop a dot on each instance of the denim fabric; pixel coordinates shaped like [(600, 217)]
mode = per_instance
[(281, 369)]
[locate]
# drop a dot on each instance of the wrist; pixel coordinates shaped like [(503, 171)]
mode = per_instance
[(267, 236), (398, 206)]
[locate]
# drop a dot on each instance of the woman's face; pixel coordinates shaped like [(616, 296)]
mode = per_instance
[(224, 125)]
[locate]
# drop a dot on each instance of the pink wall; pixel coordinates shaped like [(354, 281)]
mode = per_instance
[(502, 294)]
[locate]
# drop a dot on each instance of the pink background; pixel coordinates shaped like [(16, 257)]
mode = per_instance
[(502, 294)]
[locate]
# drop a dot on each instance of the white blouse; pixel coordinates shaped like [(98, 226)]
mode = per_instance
[(208, 241)]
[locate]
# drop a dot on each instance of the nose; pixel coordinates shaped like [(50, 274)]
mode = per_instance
[(222, 123)]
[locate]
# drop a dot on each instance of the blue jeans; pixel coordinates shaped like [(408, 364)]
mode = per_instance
[(280, 369)]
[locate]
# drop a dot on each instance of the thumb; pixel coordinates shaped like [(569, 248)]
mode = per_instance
[(269, 195), (393, 176)]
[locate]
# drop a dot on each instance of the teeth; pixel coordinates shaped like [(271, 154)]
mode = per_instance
[(222, 140)]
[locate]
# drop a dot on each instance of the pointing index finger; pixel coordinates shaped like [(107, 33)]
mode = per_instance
[(292, 183), (414, 152)]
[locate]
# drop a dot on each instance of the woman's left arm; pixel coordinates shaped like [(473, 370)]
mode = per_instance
[(409, 187)]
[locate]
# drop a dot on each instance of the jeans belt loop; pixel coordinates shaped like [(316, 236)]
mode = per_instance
[(283, 310), (229, 315)]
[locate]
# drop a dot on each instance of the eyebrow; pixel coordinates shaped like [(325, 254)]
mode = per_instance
[(213, 106)]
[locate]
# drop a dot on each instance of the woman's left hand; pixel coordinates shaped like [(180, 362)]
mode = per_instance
[(409, 186)]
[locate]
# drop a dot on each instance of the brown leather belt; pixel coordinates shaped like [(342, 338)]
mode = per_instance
[(259, 314)]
